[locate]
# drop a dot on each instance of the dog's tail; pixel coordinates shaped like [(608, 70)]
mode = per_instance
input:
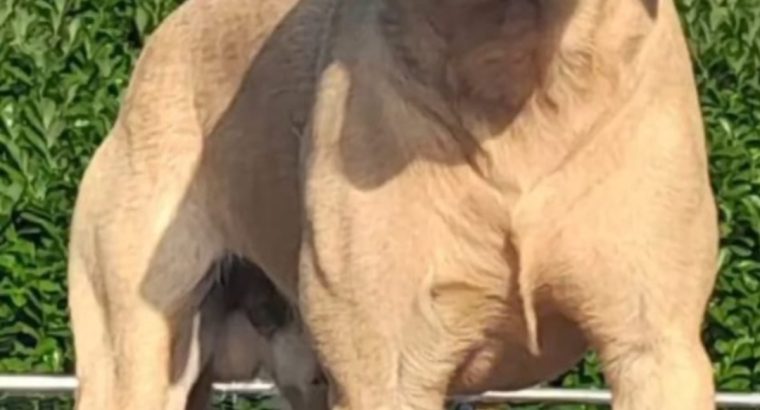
[(526, 288)]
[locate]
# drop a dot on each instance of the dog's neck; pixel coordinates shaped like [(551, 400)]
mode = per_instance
[(490, 57)]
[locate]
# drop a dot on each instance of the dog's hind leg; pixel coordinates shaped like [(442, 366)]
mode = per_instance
[(169, 326), (648, 335), (640, 295), (92, 344), (135, 300), (660, 371), (162, 354), (123, 349)]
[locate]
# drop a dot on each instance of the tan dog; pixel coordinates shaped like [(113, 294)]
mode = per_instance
[(480, 191), (158, 309), (491, 186)]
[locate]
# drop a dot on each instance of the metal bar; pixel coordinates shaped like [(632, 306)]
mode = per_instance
[(23, 385), (48, 385), (545, 395), (586, 396), (254, 387)]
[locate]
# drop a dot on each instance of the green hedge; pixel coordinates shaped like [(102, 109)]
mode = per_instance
[(726, 40), (64, 65)]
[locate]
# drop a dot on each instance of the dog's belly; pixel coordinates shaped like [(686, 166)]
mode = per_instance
[(504, 362)]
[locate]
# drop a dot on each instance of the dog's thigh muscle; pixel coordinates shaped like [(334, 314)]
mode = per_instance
[(638, 287), (132, 303)]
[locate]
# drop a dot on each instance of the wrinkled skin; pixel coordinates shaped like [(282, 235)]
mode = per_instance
[(458, 194), (491, 187)]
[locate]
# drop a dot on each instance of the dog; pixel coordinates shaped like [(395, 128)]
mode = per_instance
[(456, 195), (493, 187), (167, 292)]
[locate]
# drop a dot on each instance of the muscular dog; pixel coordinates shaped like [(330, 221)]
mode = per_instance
[(159, 308), (458, 195), (491, 187)]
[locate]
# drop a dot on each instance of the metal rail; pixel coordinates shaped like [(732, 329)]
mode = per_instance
[(49, 385)]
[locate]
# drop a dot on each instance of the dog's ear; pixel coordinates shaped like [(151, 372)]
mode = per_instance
[(651, 7)]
